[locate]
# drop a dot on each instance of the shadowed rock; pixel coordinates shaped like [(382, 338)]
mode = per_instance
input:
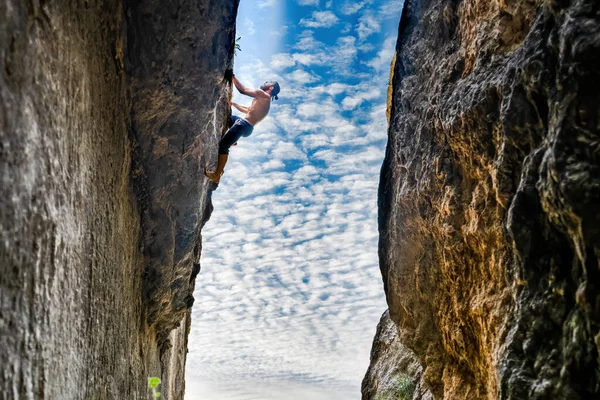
[(176, 60), (108, 113), (394, 372)]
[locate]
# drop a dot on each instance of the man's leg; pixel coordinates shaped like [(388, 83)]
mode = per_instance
[(216, 176), (231, 136), (232, 121)]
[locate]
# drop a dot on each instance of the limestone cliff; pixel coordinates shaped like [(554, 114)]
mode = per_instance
[(394, 373), (489, 199), (108, 113)]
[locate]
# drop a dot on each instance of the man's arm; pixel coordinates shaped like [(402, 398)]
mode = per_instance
[(244, 90), (239, 107)]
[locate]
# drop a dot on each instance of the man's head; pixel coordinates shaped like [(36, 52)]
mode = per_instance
[(272, 88)]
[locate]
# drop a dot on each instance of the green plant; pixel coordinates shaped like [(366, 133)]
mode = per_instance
[(236, 45), (404, 388), (153, 383)]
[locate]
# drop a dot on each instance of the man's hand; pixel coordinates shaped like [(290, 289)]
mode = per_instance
[(229, 75)]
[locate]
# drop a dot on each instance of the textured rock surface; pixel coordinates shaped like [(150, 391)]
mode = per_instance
[(177, 54), (108, 112), (490, 197), (393, 367)]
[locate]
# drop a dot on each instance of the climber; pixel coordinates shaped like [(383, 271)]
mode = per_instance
[(255, 113)]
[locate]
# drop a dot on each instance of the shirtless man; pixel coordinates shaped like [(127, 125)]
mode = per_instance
[(257, 111)]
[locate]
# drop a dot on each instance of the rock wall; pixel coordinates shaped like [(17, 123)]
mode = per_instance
[(489, 200), (394, 373), (108, 113)]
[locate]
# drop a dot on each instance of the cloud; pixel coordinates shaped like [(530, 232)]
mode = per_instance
[(391, 8), (360, 93), (279, 32), (282, 61), (311, 52), (307, 59), (320, 19), (310, 110), (332, 89), (249, 26), (306, 41), (267, 3), (367, 26), (381, 63), (352, 7), (346, 48), (303, 77), (308, 2)]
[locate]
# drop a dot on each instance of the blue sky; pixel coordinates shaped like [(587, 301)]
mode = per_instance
[(290, 291)]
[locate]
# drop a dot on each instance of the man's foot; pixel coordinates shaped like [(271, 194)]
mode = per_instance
[(213, 176)]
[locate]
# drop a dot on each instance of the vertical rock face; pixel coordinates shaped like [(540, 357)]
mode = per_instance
[(108, 113), (177, 54), (176, 59), (490, 197), (394, 373)]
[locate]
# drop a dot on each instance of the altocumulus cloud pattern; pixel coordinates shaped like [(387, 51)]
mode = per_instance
[(290, 291)]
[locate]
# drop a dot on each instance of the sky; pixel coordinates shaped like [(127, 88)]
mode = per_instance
[(290, 291)]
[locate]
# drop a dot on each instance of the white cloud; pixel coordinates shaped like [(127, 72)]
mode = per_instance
[(282, 60), (320, 19), (365, 47), (313, 52), (267, 3), (381, 63), (288, 151), (308, 2), (249, 26), (333, 89), (367, 26), (302, 77), (281, 31), (352, 7), (363, 93), (307, 59), (346, 47), (306, 41), (312, 110), (391, 9)]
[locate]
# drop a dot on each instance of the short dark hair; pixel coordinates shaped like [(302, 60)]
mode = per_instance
[(275, 90)]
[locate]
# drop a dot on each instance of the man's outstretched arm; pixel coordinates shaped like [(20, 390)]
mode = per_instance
[(240, 107), (243, 89)]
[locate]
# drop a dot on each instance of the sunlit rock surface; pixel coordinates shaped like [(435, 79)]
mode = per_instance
[(490, 197), (394, 373), (108, 113)]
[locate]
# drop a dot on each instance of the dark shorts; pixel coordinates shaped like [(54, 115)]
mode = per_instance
[(239, 128)]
